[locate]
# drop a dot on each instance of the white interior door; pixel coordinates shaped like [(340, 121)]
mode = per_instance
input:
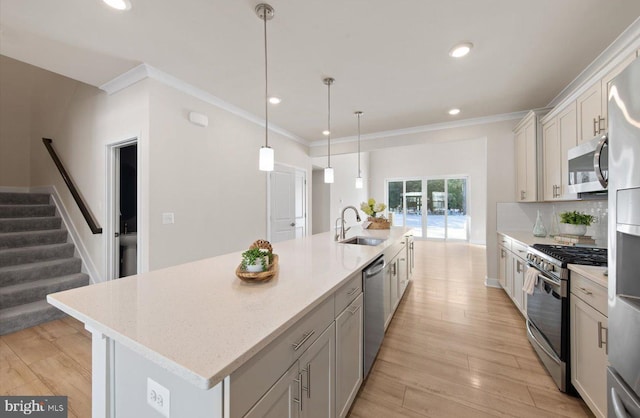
[(288, 203), (300, 203)]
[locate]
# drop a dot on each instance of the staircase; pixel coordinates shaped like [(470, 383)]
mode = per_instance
[(35, 260)]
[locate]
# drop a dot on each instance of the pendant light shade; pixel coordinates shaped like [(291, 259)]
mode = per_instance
[(328, 172), (328, 175), (359, 182), (266, 159), (265, 12)]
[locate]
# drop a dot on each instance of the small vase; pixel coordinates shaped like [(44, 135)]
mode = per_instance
[(555, 226), (538, 229)]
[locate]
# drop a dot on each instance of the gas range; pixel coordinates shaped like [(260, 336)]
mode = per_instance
[(553, 259)]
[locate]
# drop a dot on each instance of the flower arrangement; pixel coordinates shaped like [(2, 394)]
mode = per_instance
[(371, 208)]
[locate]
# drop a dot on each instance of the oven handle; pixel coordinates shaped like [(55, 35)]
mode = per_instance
[(545, 278), (552, 355)]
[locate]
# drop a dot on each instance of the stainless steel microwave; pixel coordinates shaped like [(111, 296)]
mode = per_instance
[(589, 166)]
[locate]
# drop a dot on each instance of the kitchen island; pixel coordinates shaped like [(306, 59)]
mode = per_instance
[(190, 327)]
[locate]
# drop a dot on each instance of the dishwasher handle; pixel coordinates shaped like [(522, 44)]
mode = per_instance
[(374, 269)]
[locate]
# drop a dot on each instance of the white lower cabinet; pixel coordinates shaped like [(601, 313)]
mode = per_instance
[(589, 343), (307, 389), (280, 400), (519, 267), (349, 352)]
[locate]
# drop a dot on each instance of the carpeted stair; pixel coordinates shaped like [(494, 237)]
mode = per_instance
[(35, 260)]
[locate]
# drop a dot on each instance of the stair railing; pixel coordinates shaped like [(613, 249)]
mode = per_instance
[(88, 216)]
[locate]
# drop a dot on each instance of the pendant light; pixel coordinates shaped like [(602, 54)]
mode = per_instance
[(328, 172), (359, 182), (265, 12)]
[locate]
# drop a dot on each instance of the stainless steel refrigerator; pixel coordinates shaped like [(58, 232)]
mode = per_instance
[(623, 376)]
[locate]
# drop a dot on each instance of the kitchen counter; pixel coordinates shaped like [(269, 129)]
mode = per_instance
[(527, 238), (593, 273), (200, 322)]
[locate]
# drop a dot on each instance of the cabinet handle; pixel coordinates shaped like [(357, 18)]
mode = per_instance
[(518, 267), (308, 388), (353, 310), (352, 291), (586, 291), (600, 122), (304, 339), (595, 126), (298, 400), (522, 194), (602, 341)]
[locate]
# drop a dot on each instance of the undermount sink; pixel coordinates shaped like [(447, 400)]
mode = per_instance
[(363, 241)]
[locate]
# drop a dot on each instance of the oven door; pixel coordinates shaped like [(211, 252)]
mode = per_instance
[(547, 308)]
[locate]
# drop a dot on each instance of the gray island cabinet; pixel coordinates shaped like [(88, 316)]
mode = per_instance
[(195, 341)]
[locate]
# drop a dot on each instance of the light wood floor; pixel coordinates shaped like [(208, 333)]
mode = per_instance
[(49, 359), (456, 348)]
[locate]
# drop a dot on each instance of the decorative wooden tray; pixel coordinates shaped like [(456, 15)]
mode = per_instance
[(261, 276)]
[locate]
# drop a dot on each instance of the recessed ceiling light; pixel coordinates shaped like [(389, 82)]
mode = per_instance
[(325, 133), (275, 100), (454, 111), (118, 4), (460, 50)]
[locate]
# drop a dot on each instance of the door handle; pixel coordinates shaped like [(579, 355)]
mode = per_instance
[(292, 224), (597, 163), (117, 234)]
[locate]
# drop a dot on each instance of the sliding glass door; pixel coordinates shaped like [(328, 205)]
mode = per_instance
[(435, 208)]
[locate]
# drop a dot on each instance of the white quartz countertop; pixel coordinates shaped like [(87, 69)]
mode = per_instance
[(527, 238), (593, 273), (199, 321)]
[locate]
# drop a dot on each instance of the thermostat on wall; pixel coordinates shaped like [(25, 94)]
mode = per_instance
[(198, 119)]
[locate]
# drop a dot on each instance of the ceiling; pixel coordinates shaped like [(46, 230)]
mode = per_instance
[(389, 59)]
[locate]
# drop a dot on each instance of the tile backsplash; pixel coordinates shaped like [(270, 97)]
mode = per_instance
[(522, 216)]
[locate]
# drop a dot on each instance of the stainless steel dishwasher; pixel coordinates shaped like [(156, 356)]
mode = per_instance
[(373, 285)]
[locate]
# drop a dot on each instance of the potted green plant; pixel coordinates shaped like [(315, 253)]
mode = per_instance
[(255, 260), (575, 223)]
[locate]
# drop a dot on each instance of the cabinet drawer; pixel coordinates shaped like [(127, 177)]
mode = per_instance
[(504, 241), (590, 292), (256, 376), (348, 292), (518, 249)]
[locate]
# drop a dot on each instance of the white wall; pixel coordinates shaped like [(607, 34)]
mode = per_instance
[(321, 201), (16, 84), (208, 177), (444, 159)]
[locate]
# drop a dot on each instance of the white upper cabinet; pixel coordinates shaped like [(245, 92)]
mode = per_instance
[(568, 135), (592, 104), (527, 145), (590, 115), (551, 147)]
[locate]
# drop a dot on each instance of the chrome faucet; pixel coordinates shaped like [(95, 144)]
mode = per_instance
[(341, 235)]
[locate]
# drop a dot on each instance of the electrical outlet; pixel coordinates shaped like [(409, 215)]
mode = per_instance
[(158, 397)]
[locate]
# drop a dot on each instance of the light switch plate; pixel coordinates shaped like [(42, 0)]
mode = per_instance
[(158, 397), (167, 218)]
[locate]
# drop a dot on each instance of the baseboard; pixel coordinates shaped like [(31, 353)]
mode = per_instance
[(489, 282), (88, 266), (11, 189)]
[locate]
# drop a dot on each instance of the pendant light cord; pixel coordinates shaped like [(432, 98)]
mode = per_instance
[(359, 113), (329, 123), (266, 84)]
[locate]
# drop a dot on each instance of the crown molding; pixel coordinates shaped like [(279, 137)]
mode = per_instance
[(144, 71), (623, 46), (484, 120)]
